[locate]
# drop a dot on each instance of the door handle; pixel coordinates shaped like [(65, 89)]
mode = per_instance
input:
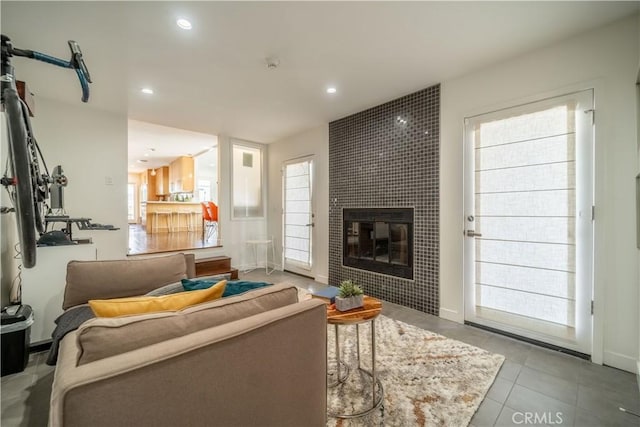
[(310, 225), (472, 233)]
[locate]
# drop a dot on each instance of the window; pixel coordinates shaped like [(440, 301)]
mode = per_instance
[(131, 202), (247, 182), (204, 190)]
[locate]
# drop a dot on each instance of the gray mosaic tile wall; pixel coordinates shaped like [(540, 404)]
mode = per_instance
[(388, 156)]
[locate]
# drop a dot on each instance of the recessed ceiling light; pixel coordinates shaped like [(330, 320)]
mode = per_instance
[(331, 89), (146, 154), (184, 24), (147, 90)]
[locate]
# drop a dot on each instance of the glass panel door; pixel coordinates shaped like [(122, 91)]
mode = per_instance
[(298, 215), (528, 226)]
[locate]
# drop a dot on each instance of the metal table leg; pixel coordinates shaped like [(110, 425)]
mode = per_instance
[(340, 365), (377, 397)]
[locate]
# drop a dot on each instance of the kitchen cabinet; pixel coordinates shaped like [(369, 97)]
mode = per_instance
[(162, 181), (151, 186), (181, 175)]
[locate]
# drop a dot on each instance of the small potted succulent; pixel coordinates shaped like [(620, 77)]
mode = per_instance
[(351, 296)]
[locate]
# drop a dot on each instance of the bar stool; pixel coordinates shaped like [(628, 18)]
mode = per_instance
[(213, 212), (162, 213), (188, 215), (209, 225)]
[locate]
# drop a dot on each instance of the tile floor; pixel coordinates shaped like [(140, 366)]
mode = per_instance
[(558, 389)]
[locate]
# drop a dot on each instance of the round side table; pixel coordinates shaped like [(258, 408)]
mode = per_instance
[(368, 313)]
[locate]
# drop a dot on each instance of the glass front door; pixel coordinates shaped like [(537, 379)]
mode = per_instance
[(528, 220), (298, 215)]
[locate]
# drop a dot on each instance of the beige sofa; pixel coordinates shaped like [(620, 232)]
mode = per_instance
[(256, 359)]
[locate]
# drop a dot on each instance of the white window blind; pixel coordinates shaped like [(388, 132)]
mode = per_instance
[(525, 204), (297, 182)]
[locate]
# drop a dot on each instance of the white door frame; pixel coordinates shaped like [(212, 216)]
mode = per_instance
[(585, 201)]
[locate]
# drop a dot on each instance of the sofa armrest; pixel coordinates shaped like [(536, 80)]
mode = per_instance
[(121, 278), (269, 369)]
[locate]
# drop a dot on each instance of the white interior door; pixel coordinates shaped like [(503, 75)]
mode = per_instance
[(298, 215), (528, 220)]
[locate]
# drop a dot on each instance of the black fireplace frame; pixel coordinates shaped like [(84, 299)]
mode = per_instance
[(373, 215)]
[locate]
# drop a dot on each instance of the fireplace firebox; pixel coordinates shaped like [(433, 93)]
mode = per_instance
[(379, 240)]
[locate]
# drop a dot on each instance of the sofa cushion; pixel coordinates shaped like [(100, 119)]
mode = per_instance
[(171, 288), (123, 278), (151, 304), (103, 337)]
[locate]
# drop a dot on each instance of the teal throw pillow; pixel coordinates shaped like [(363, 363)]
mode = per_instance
[(234, 287), (197, 285)]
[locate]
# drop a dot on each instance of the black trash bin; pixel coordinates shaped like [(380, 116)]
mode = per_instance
[(16, 331)]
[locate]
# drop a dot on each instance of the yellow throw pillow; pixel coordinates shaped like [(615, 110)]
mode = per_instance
[(137, 305)]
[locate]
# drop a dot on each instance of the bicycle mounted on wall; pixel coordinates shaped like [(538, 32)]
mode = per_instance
[(27, 184)]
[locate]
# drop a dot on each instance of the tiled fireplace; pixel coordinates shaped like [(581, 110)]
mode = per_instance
[(382, 161)]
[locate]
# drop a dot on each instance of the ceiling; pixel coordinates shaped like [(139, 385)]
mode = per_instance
[(214, 79)]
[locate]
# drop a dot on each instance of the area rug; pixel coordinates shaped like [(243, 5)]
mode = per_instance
[(428, 379)]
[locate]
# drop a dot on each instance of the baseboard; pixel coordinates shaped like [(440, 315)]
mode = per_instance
[(621, 361), (322, 279), (638, 375), (453, 315), (37, 347)]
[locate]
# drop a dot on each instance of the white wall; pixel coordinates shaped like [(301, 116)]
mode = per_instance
[(312, 142), (91, 146), (8, 227), (606, 59), (638, 170)]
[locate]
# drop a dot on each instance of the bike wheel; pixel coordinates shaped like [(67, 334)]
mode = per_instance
[(38, 184), (20, 160)]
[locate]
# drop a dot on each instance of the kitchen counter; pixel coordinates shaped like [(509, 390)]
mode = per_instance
[(174, 217)]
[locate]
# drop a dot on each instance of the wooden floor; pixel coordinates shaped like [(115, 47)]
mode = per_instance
[(142, 243)]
